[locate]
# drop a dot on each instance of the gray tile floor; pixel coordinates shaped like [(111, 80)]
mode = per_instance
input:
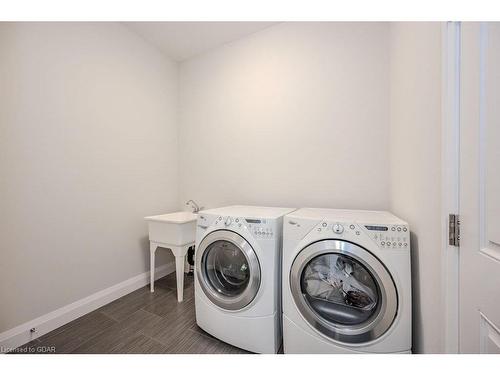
[(140, 322)]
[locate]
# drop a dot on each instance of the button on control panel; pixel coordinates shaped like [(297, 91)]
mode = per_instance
[(263, 232), (390, 237)]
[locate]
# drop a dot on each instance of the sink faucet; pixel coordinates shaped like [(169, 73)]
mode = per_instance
[(194, 206)]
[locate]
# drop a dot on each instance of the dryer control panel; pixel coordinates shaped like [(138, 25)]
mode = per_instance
[(260, 228), (385, 236), (389, 236)]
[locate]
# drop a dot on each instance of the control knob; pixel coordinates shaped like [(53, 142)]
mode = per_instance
[(228, 221), (337, 228)]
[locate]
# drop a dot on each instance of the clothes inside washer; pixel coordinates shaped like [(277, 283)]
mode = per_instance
[(340, 289)]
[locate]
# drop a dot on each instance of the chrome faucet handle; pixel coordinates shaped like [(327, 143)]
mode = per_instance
[(194, 206)]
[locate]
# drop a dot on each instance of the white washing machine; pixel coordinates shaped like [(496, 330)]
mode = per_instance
[(237, 278), (346, 282)]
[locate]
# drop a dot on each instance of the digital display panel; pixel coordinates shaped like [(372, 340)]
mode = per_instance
[(253, 221), (376, 227)]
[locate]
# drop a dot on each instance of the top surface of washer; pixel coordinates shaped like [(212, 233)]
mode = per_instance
[(381, 217), (250, 211)]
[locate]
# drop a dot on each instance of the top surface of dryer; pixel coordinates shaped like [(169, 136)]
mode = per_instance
[(361, 216), (250, 211)]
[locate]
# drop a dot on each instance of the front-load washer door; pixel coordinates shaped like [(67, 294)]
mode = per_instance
[(343, 291), (228, 269)]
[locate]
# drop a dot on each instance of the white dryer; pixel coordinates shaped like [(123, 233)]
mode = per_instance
[(346, 282), (237, 278)]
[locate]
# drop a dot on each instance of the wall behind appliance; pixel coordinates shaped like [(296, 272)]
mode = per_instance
[(416, 167), (88, 146), (296, 115)]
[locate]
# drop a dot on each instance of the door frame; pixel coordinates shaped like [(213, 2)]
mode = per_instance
[(450, 178)]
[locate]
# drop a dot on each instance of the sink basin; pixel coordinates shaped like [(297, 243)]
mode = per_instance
[(177, 228)]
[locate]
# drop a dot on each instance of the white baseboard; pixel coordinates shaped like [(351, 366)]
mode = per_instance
[(21, 334)]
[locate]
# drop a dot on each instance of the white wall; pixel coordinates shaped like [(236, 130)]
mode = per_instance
[(416, 167), (295, 115), (88, 146)]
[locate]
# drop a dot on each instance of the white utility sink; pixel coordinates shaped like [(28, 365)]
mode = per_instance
[(177, 228), (175, 231)]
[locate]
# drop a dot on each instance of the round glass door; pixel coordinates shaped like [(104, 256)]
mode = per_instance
[(343, 291), (340, 289), (228, 270)]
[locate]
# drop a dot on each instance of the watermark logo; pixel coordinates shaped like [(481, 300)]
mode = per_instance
[(29, 349)]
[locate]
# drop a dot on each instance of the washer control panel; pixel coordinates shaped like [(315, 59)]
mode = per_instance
[(389, 236), (385, 236), (260, 228)]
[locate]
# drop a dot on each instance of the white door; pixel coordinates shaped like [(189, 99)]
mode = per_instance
[(480, 188)]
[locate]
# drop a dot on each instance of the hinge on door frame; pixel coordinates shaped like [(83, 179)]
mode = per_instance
[(454, 230)]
